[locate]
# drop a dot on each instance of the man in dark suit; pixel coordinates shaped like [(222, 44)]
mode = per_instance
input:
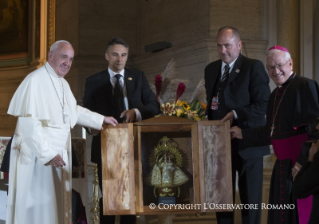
[(237, 90), (119, 92)]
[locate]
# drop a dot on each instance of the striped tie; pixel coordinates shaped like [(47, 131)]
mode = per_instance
[(226, 73)]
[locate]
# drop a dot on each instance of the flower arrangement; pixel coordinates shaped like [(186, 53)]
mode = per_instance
[(169, 99), (193, 111)]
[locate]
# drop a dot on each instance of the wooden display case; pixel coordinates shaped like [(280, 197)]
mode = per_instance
[(204, 146)]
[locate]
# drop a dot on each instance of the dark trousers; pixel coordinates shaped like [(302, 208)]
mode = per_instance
[(250, 182), (110, 219)]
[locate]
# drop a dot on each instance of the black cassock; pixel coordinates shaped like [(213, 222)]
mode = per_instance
[(290, 108)]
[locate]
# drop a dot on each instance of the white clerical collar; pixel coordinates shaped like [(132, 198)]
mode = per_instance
[(231, 65), (286, 80), (112, 73), (51, 70)]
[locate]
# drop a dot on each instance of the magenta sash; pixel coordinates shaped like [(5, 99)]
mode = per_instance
[(290, 148)]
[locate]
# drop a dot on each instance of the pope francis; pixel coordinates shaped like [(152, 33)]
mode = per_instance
[(40, 163)]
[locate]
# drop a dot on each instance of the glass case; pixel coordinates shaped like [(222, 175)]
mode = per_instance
[(166, 165)]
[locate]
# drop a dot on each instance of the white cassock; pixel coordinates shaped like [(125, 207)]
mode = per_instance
[(39, 193)]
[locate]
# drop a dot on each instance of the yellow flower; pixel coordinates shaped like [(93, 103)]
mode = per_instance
[(182, 109), (180, 103), (186, 107), (179, 112)]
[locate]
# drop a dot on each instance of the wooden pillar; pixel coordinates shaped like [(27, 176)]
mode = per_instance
[(288, 29)]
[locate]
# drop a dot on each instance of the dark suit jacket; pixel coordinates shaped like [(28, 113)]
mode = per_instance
[(247, 93), (98, 97)]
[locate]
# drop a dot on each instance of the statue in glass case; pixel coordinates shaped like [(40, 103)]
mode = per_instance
[(166, 173)]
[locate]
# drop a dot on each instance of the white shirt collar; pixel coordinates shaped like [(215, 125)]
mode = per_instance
[(286, 80), (231, 65), (112, 73)]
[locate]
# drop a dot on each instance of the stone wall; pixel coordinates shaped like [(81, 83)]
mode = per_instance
[(178, 22), (247, 15), (89, 25), (191, 27)]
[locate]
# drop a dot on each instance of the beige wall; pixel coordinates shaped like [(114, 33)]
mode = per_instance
[(177, 22), (89, 25), (191, 27), (247, 15)]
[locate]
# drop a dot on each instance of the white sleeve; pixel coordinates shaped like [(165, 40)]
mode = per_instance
[(89, 119), (33, 140)]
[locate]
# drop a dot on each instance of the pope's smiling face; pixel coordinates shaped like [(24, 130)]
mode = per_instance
[(61, 59)]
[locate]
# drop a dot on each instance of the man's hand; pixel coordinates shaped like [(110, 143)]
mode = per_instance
[(129, 116), (236, 132), (230, 116), (295, 170), (57, 161), (314, 148), (110, 120)]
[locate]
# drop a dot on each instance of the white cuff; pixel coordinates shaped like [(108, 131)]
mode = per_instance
[(138, 116), (235, 114)]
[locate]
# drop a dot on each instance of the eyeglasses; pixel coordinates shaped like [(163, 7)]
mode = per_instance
[(279, 66)]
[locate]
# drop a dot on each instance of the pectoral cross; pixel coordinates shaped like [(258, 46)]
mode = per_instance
[(64, 115)]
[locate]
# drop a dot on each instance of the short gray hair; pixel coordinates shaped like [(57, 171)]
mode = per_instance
[(234, 29), (56, 44), (273, 51)]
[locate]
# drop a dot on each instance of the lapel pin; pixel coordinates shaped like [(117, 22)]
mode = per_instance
[(129, 78), (237, 71)]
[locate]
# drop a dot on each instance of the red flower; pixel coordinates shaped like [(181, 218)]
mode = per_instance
[(158, 85), (180, 90)]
